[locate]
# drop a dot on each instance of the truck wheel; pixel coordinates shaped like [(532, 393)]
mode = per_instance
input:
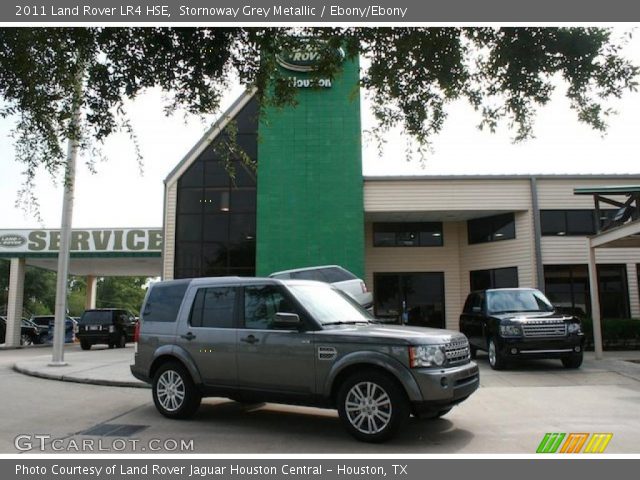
[(496, 359), (473, 351), (85, 345), (174, 393), (572, 361), (372, 406)]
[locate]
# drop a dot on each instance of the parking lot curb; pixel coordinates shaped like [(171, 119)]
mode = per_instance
[(89, 381)]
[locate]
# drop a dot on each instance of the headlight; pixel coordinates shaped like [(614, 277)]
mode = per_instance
[(574, 328), (510, 331), (426, 356)]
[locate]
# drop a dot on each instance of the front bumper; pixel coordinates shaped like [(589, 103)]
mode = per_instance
[(533, 347), (445, 387)]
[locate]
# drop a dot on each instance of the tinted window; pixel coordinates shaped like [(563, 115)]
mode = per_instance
[(494, 278), (491, 229), (214, 308), (567, 222), (335, 274), (261, 303), (96, 317), (406, 234), (164, 302), (309, 275)]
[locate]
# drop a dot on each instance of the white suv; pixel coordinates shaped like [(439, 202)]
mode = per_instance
[(336, 276)]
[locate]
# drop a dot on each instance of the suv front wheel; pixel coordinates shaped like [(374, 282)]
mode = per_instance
[(372, 406), (174, 392)]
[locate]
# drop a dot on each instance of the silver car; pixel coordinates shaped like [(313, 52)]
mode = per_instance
[(295, 342), (335, 275)]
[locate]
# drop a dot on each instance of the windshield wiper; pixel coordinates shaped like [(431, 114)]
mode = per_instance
[(353, 322)]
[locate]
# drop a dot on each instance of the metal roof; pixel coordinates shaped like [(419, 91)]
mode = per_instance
[(611, 190)]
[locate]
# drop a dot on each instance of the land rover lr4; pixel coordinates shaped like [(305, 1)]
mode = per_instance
[(297, 342)]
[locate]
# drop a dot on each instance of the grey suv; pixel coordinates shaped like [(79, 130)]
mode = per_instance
[(297, 342)]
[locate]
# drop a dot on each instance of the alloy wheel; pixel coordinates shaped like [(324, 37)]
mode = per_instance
[(170, 390), (368, 407)]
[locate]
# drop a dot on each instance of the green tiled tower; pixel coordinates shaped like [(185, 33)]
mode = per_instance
[(310, 199)]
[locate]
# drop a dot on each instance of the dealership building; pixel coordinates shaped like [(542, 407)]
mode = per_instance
[(421, 243)]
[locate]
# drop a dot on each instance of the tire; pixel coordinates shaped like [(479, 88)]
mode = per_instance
[(378, 406), (122, 341), (174, 393), (85, 345), (473, 351), (26, 340), (496, 359), (572, 361)]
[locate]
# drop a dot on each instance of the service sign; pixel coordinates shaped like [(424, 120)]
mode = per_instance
[(82, 241)]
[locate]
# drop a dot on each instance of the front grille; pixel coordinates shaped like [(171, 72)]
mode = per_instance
[(457, 351), (544, 329)]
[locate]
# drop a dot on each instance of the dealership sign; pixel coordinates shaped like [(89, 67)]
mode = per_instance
[(82, 241), (305, 59)]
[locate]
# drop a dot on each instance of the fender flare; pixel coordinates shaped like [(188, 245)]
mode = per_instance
[(380, 360), (180, 354)]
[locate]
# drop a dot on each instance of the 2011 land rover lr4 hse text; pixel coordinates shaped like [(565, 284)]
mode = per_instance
[(298, 342)]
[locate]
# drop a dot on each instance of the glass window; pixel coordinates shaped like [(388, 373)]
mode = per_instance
[(261, 303), (214, 308), (329, 305), (190, 200), (406, 234), (164, 301), (513, 301), (567, 222), (189, 228), (314, 274), (494, 278), (415, 298), (614, 294), (337, 274), (491, 229)]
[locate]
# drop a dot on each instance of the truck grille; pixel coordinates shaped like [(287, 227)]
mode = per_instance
[(544, 329), (457, 351)]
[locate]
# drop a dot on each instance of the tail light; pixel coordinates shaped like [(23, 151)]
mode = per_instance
[(136, 332), (364, 287)]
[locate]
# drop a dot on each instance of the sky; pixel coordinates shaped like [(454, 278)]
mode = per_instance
[(119, 195)]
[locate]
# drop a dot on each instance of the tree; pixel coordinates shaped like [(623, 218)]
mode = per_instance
[(412, 73), (121, 292)]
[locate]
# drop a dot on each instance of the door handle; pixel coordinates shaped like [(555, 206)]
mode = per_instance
[(250, 339), (189, 336)]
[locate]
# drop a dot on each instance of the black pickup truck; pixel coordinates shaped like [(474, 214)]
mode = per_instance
[(512, 323)]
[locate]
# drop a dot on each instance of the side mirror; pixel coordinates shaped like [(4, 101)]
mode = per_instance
[(288, 321)]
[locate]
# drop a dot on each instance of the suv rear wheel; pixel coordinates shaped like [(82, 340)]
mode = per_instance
[(174, 392), (372, 406), (84, 345)]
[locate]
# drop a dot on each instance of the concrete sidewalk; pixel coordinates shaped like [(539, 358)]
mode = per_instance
[(103, 366), (98, 366)]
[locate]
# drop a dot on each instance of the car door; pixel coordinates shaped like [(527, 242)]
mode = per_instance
[(268, 358), (209, 334), (471, 321)]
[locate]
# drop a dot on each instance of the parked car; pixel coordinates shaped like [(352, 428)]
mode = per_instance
[(513, 323), (42, 323), (297, 342), (29, 334), (335, 275), (113, 327), (70, 328)]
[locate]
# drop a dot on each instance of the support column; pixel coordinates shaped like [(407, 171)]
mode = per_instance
[(634, 290), (92, 285), (14, 302), (594, 287)]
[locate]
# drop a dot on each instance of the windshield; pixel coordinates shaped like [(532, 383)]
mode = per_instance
[(328, 305), (513, 301)]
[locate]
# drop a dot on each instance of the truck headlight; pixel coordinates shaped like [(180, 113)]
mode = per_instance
[(510, 331), (574, 328), (426, 356)]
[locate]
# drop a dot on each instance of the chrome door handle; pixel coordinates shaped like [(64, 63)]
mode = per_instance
[(250, 339), (188, 336)]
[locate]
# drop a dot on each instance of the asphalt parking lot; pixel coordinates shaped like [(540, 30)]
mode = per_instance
[(510, 413)]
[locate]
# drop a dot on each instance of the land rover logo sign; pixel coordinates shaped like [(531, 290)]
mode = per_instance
[(305, 60), (12, 241)]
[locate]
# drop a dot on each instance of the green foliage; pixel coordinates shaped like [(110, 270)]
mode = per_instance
[(122, 292), (412, 74), (617, 333), (39, 289)]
